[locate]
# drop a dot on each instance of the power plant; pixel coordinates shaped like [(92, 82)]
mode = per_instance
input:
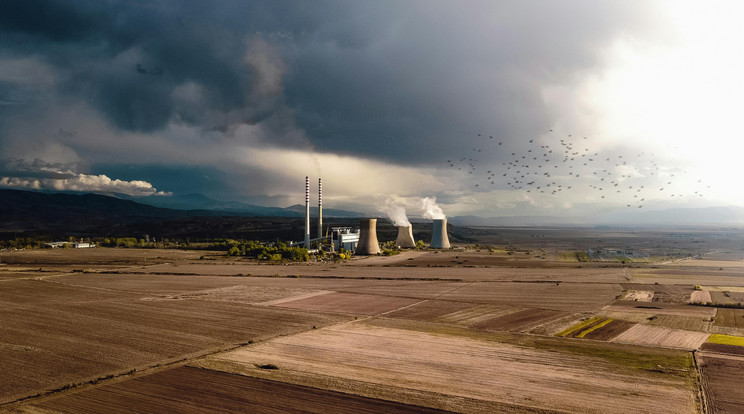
[(405, 238), (364, 241), (439, 239), (368, 243)]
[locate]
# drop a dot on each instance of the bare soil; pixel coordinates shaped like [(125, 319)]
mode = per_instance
[(659, 308), (610, 331), (723, 349), (723, 382), (190, 389), (660, 336), (733, 318), (54, 334), (520, 321), (463, 367), (349, 303), (429, 310)]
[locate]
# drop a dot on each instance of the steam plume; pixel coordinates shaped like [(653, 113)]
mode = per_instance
[(396, 213), (431, 209)]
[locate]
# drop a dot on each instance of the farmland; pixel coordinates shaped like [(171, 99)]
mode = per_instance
[(469, 330)]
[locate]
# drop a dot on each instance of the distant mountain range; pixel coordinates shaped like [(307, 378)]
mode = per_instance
[(202, 202), (195, 215), (730, 215)]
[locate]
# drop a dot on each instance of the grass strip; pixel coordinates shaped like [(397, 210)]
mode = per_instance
[(595, 327), (726, 340), (578, 326)]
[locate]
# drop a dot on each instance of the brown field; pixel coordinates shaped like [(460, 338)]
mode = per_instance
[(350, 303), (723, 384), (571, 297), (475, 314), (659, 308), (727, 298), (429, 310), (374, 268), (520, 321), (700, 296), (660, 336), (663, 293), (723, 349), (453, 366), (189, 389), (54, 334), (440, 334), (610, 331), (733, 318)]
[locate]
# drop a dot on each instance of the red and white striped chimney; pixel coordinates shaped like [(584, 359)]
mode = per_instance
[(307, 212), (320, 208)]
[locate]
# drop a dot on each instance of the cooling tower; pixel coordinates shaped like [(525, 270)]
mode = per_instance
[(439, 239), (367, 237), (405, 238)]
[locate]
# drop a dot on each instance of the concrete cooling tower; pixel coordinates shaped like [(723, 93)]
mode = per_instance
[(368, 243), (405, 238), (439, 239)]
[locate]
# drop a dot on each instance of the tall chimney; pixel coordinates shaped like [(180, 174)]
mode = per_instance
[(405, 237), (307, 212), (439, 239), (320, 209), (368, 244)]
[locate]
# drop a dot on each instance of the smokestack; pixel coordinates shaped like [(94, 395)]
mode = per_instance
[(320, 208), (368, 244), (439, 239), (307, 212), (405, 237)]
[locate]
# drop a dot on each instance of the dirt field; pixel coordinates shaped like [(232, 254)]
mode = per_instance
[(723, 349), (349, 303), (609, 331), (451, 338), (430, 310), (723, 383), (658, 308), (520, 321), (570, 297), (377, 356), (189, 389), (660, 336), (54, 334), (733, 318)]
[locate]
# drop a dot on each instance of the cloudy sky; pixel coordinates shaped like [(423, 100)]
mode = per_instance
[(496, 108)]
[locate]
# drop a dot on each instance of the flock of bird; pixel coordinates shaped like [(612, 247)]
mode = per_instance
[(551, 166)]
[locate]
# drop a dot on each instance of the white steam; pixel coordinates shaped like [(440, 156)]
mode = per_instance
[(431, 209), (396, 213)]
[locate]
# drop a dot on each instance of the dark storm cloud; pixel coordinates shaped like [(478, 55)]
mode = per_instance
[(404, 82), (385, 78)]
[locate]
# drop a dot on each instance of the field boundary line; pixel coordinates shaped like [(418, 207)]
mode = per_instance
[(701, 386)]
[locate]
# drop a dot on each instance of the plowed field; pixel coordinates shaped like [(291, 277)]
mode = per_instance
[(659, 336), (609, 331), (350, 303), (54, 334), (429, 310), (723, 383), (733, 318), (188, 389), (459, 367), (520, 321), (571, 297)]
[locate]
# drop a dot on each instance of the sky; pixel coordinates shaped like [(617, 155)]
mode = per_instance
[(491, 108)]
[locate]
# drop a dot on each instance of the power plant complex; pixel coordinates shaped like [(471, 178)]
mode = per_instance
[(364, 241)]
